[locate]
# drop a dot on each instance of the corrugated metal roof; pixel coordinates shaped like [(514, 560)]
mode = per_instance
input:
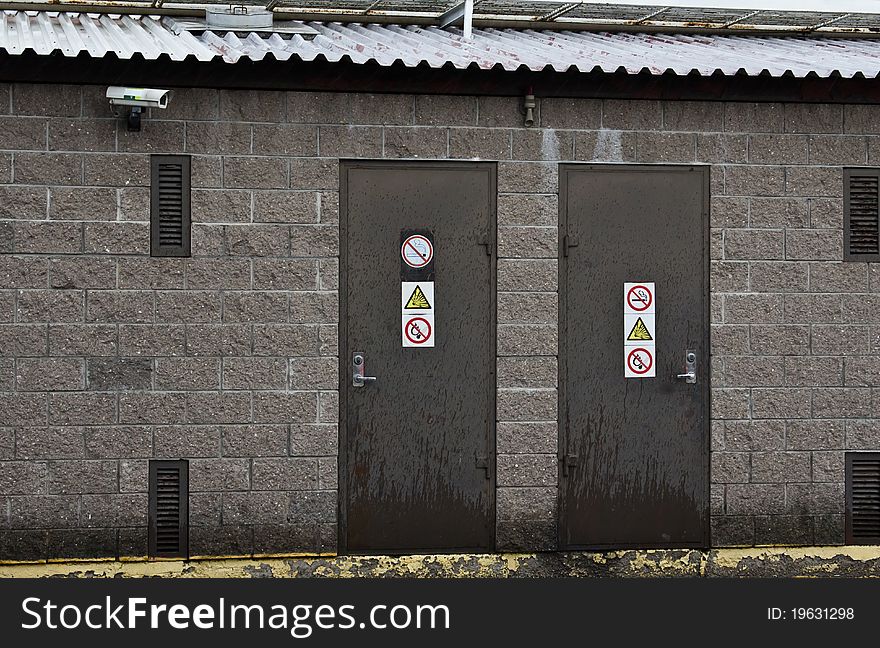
[(128, 36), (839, 17)]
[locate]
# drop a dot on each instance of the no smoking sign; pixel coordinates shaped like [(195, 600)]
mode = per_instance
[(417, 251), (638, 297)]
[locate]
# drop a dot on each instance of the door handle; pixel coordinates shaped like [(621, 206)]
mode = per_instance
[(358, 379), (690, 368)]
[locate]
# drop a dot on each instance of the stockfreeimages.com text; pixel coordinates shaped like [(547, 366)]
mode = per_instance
[(300, 620)]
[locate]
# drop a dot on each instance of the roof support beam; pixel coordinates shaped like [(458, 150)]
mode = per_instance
[(741, 18), (650, 15), (463, 14), (827, 22), (564, 9)]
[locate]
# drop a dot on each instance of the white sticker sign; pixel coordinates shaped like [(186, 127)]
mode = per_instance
[(418, 330), (417, 251), (639, 330), (638, 297), (416, 297), (639, 362)]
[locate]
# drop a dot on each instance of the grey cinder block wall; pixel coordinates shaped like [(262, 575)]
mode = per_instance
[(109, 357)]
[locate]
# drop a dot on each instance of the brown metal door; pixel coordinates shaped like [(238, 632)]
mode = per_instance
[(634, 452), (417, 444)]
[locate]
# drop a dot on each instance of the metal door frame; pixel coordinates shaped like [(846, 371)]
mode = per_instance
[(345, 351), (564, 169)]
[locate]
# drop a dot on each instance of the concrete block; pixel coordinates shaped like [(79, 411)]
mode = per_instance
[(285, 474)]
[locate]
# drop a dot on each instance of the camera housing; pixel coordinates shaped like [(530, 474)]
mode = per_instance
[(138, 97)]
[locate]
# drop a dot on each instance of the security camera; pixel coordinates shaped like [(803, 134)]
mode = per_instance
[(138, 97)]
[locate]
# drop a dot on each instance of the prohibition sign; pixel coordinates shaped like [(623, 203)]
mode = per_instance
[(417, 251), (639, 363), (639, 298), (417, 330)]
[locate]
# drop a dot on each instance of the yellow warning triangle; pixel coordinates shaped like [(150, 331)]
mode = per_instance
[(639, 332), (418, 300)]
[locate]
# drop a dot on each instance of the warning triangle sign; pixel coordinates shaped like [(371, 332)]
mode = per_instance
[(639, 332), (418, 300)]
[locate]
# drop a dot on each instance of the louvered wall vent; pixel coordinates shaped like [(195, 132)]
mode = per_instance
[(862, 215), (863, 498), (170, 205), (169, 509)]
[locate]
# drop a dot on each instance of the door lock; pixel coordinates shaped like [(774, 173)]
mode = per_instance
[(690, 368), (358, 379)]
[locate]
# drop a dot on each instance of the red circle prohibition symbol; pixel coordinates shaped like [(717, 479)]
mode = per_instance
[(414, 333), (635, 362), (645, 298), (417, 251)]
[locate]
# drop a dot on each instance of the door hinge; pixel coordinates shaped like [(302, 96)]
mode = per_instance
[(483, 463), (568, 241), (569, 461), (487, 243)]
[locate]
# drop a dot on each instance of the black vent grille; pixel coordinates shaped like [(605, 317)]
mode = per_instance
[(863, 498), (170, 205), (862, 211), (169, 510)]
